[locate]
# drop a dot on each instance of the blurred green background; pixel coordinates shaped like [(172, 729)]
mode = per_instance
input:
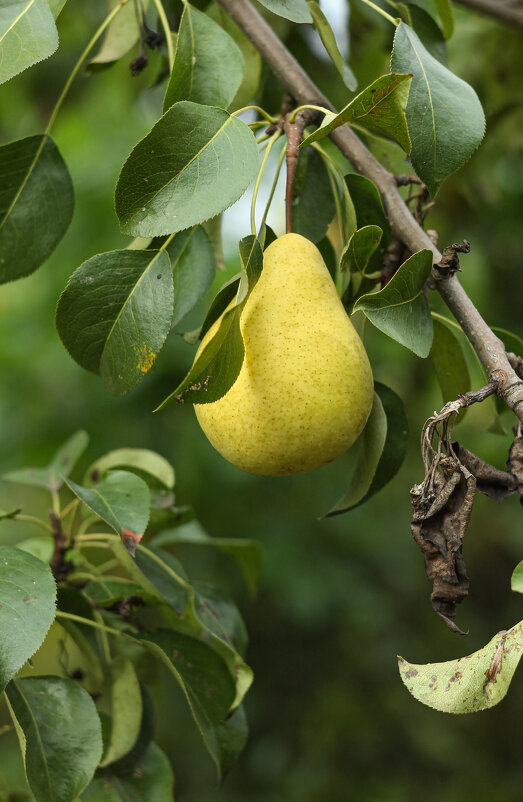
[(340, 598)]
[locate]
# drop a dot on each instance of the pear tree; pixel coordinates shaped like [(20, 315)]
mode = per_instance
[(280, 380)]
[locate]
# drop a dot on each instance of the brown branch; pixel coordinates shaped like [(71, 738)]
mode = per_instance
[(294, 132), (295, 80), (506, 12), (59, 567)]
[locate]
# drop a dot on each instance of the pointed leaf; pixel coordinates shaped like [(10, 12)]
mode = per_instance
[(56, 7), (194, 163), (400, 309), (60, 735), (216, 368), (444, 114), (36, 204), (208, 64), (52, 477), (313, 205), (516, 582), (126, 710), (439, 10), (27, 608), (121, 35), (359, 249), (122, 501), (429, 33), (295, 10), (380, 108), (449, 362), (220, 302), (471, 683), (326, 34), (140, 459), (369, 211), (27, 35), (115, 313), (151, 778)]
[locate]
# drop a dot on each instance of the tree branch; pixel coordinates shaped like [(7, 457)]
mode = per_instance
[(507, 12), (295, 80)]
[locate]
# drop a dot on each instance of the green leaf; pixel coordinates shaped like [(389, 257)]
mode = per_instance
[(121, 35), (60, 735), (516, 583), (104, 592), (440, 12), (27, 608), (444, 115), (511, 341), (247, 553), (471, 683), (295, 10), (115, 313), (56, 7), (208, 64), (194, 163), (429, 33), (126, 710), (380, 108), (122, 501), (400, 309), (449, 362), (326, 34), (141, 460), (313, 205), (151, 778), (219, 615), (359, 249), (27, 35), (52, 477), (252, 59), (36, 204), (216, 368), (220, 302), (369, 211), (40, 547)]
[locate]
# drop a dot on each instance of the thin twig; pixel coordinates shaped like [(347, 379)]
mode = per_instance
[(296, 81)]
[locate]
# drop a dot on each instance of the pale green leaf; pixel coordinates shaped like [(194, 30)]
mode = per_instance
[(126, 709), (294, 10), (359, 249), (142, 460), (252, 59), (516, 582), (449, 362), (121, 35), (326, 34), (27, 35), (52, 477)]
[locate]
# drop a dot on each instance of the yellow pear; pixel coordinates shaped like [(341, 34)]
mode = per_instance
[(305, 389)]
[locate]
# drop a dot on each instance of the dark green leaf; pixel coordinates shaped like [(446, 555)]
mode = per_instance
[(121, 35), (56, 7), (295, 10), (127, 764), (107, 591), (52, 477), (471, 683), (313, 204), (517, 578), (36, 203), (208, 64), (219, 361), (380, 107), (369, 211), (126, 710), (219, 615), (400, 309), (359, 249), (115, 313), (122, 501), (511, 341), (27, 608), (9, 513), (137, 459), (60, 735), (429, 33), (449, 362), (151, 779), (444, 114), (194, 163), (220, 302), (440, 11), (194, 266), (326, 33), (226, 740), (27, 35), (328, 255)]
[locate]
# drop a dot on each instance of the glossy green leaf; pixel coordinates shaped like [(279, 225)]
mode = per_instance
[(359, 249), (400, 309), (27, 608), (36, 204), (253, 64), (516, 583), (247, 553), (151, 778), (141, 460), (444, 115), (449, 362), (194, 267), (27, 35), (380, 108), (382, 450), (121, 499), (52, 477), (313, 205), (208, 64), (369, 211), (326, 34), (471, 683), (121, 35), (218, 365), (194, 163), (295, 10), (60, 735), (115, 313), (126, 710)]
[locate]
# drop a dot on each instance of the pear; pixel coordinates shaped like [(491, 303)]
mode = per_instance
[(305, 389)]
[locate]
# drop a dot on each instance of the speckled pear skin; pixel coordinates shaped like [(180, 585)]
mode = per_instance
[(305, 389)]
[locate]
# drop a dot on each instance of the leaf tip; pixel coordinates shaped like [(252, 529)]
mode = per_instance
[(130, 540)]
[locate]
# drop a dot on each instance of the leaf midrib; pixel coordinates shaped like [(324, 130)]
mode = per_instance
[(37, 731), (17, 20)]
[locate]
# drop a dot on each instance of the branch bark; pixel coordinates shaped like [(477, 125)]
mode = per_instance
[(295, 80), (508, 12)]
